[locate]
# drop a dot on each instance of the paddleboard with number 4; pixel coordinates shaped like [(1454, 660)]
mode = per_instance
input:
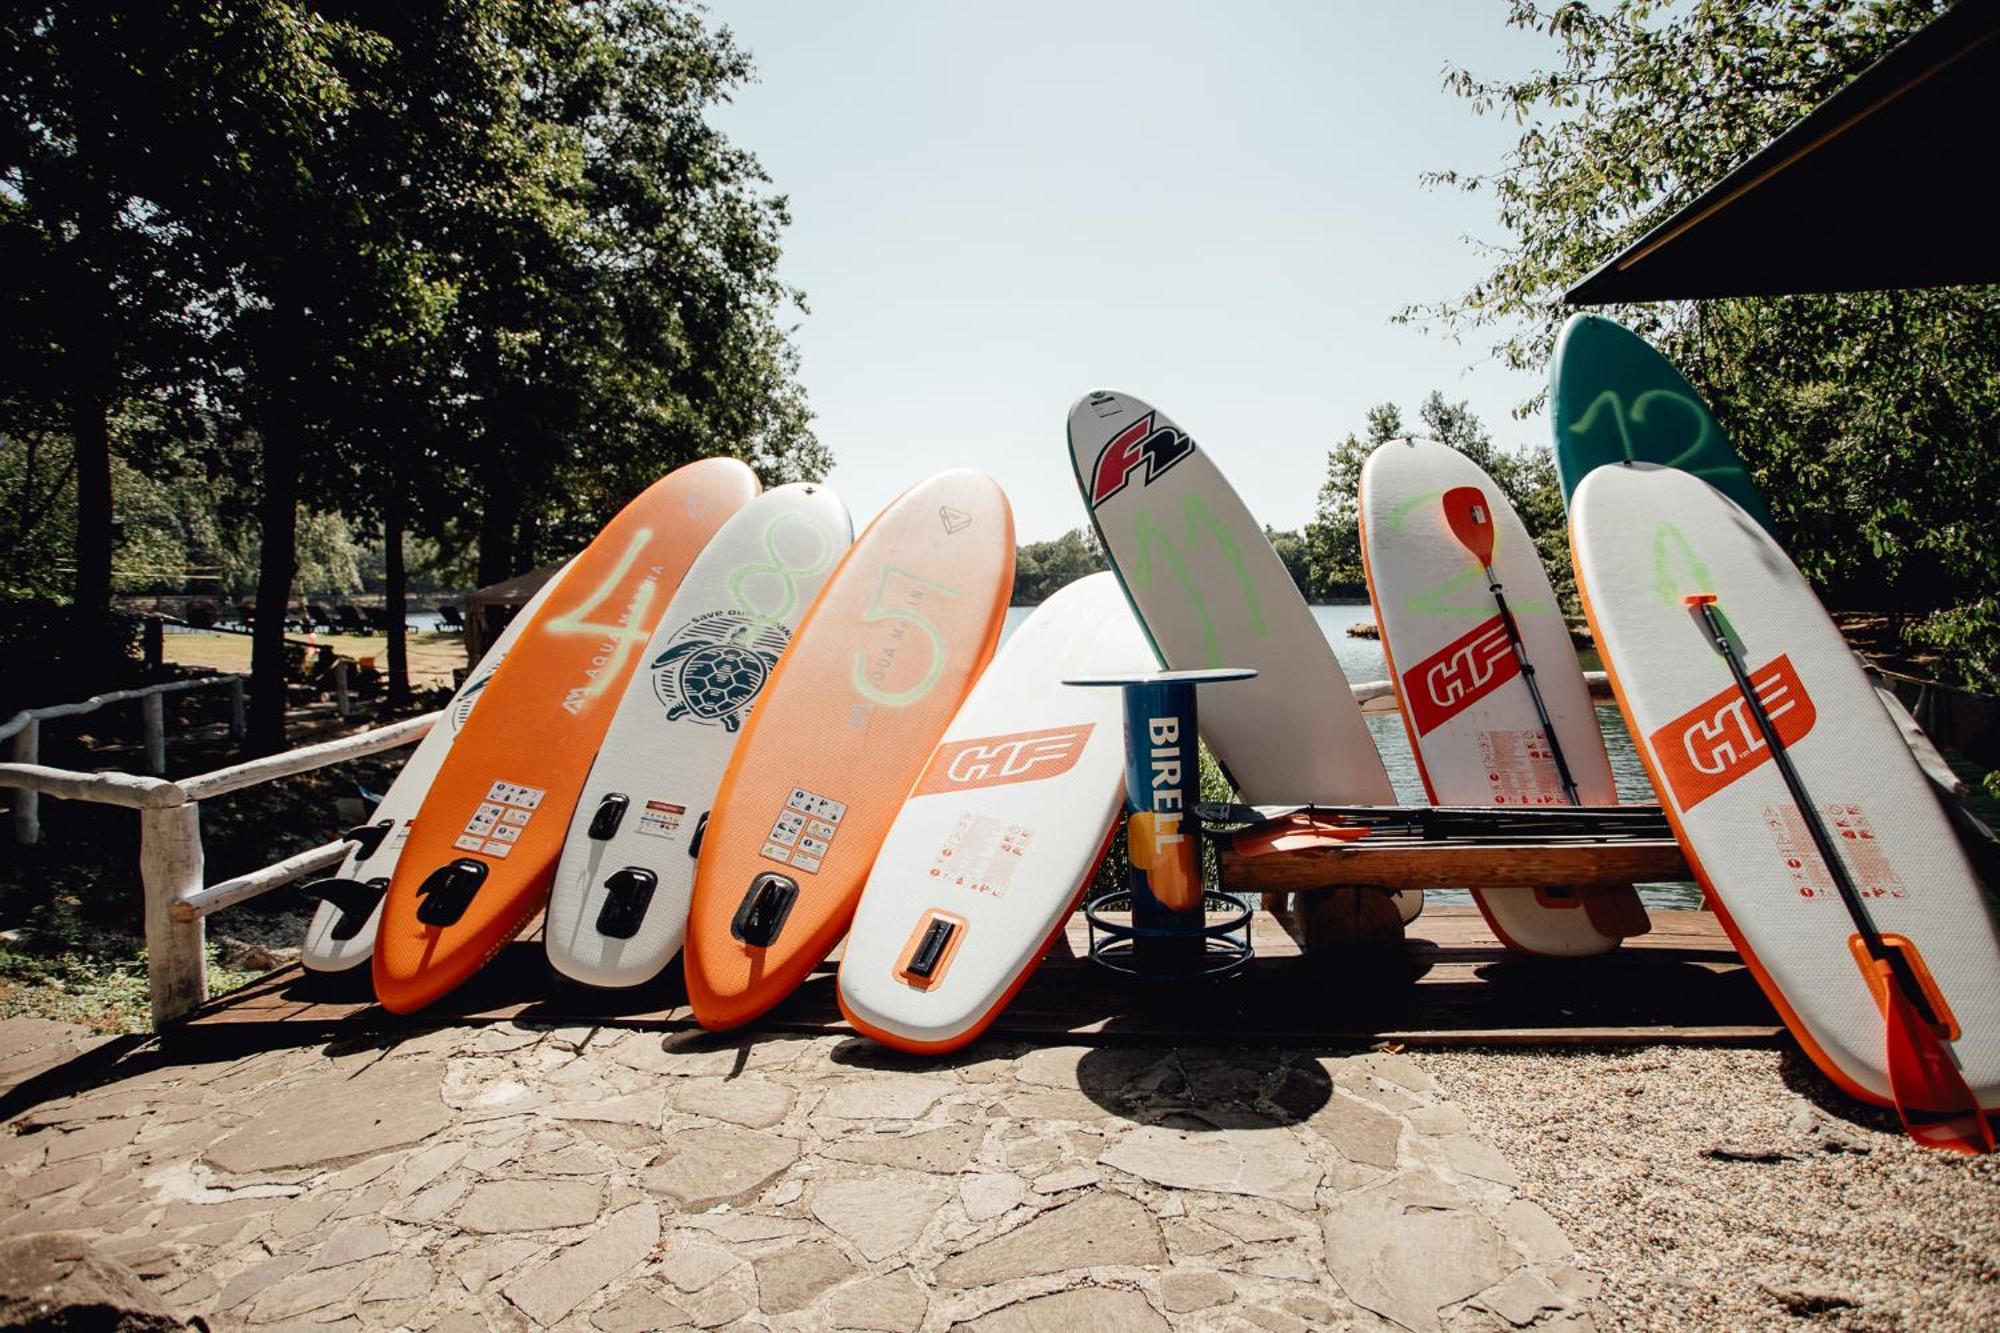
[(483, 850), (618, 912), (903, 626), (1211, 592), (1655, 547)]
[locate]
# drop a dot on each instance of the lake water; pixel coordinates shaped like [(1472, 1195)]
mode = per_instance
[(1362, 660)]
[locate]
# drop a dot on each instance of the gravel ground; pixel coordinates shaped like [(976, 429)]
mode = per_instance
[(1735, 1188)]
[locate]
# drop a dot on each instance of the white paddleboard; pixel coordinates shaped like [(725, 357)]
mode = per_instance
[(1465, 702), (1645, 537), (1003, 831), (334, 942), (617, 913), (1210, 592)]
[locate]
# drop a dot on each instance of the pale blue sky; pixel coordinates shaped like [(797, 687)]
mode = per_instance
[(997, 208)]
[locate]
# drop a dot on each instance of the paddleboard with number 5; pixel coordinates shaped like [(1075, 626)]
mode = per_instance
[(483, 850), (618, 912), (876, 670)]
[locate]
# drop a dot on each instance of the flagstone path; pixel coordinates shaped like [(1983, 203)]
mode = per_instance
[(522, 1177)]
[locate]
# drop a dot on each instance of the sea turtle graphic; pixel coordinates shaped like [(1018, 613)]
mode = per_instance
[(714, 665)]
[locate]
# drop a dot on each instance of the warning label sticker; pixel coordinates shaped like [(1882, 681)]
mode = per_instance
[(803, 832), (1866, 862), (497, 824), (1520, 770), (981, 854), (661, 820)]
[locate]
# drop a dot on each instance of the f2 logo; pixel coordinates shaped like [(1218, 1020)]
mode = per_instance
[(1459, 675), (1716, 742), (996, 761), (1159, 448)]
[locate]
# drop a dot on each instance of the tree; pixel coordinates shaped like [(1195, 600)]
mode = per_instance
[(1866, 418), (1042, 568), (1333, 538)]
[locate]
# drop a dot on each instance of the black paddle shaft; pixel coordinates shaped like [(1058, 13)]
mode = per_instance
[(1850, 896), (1534, 690)]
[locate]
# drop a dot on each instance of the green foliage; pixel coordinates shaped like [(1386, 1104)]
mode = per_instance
[(1040, 568), (1526, 476), (1867, 419)]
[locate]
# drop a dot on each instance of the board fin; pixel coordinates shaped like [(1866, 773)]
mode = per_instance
[(353, 899)]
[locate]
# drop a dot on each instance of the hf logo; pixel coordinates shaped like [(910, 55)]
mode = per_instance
[(996, 761), (1716, 742), (1158, 447), (1459, 675)]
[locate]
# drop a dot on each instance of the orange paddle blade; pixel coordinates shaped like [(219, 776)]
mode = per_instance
[(1937, 1108), (1293, 833), (1471, 521)]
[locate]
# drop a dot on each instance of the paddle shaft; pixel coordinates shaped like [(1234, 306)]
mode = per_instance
[(1850, 896), (1534, 690)]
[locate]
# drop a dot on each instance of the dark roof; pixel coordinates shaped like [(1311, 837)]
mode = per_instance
[(1886, 184)]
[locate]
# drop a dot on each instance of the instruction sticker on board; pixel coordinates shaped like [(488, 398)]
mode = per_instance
[(497, 824), (1866, 862), (803, 832), (661, 819), (1520, 769), (981, 854)]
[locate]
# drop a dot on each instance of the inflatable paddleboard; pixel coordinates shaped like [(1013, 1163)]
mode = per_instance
[(1465, 702), (1645, 537), (1210, 591), (618, 911), (341, 934), (479, 858), (874, 674), (1001, 833), (1613, 399)]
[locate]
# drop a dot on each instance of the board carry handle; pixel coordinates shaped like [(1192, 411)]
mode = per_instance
[(1937, 1108)]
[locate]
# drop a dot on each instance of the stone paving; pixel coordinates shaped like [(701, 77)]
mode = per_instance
[(522, 1177)]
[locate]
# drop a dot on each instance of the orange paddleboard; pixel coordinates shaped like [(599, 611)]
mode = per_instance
[(484, 846), (873, 676)]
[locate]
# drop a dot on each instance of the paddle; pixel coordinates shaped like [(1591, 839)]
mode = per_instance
[(1471, 522), (1937, 1108)]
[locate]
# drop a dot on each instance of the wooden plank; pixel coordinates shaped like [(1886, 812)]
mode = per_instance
[(1411, 864), (1455, 987)]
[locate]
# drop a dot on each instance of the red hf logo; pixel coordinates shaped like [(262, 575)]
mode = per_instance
[(1459, 674), (1158, 447), (1717, 741), (995, 761)]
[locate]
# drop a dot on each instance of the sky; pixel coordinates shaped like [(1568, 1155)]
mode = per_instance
[(998, 208)]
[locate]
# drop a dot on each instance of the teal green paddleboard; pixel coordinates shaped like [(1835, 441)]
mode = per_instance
[(1613, 399)]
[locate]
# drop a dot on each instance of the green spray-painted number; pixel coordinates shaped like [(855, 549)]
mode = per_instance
[(1673, 557), (1657, 406), (780, 567), (1153, 538), (906, 613)]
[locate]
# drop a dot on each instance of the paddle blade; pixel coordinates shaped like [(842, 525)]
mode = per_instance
[(1471, 521), (1937, 1108)]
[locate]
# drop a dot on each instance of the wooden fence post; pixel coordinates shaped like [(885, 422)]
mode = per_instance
[(27, 749), (155, 646), (239, 726), (153, 711), (170, 867), (343, 699)]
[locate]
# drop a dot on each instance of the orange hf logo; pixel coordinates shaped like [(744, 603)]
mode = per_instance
[(1717, 741), (1459, 674), (995, 761)]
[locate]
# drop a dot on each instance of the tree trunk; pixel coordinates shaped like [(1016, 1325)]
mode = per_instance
[(395, 596), (497, 518), (90, 432), (277, 563)]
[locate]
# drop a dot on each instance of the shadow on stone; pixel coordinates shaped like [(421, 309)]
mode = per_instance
[(1204, 1088), (861, 1053), (1803, 1077)]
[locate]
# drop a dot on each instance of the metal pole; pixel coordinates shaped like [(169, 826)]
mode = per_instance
[(170, 868)]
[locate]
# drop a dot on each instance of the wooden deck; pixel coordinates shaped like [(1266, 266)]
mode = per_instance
[(1680, 983)]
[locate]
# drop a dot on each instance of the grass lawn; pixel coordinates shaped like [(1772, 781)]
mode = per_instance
[(433, 656)]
